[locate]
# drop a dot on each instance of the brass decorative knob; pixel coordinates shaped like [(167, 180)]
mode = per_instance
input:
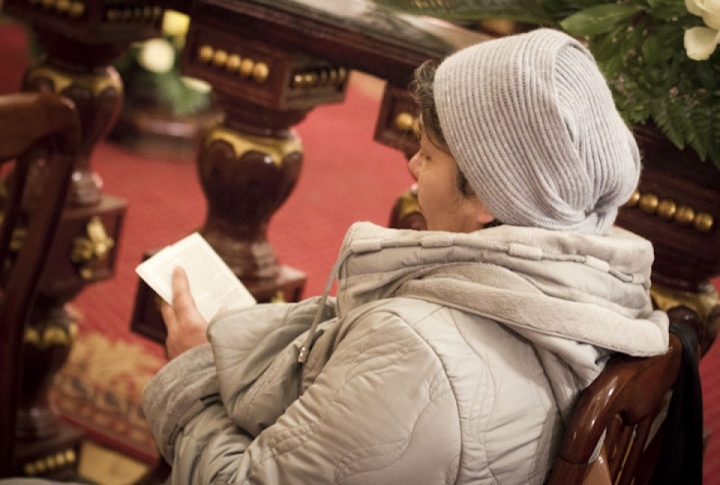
[(205, 53), (404, 122), (648, 203), (684, 214), (703, 222), (666, 209), (233, 63), (219, 58), (260, 72), (246, 67), (634, 199), (298, 81), (77, 9)]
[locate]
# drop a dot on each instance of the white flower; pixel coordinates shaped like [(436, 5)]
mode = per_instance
[(700, 42), (197, 84), (709, 10), (157, 55)]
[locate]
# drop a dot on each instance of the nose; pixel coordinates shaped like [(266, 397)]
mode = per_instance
[(414, 165)]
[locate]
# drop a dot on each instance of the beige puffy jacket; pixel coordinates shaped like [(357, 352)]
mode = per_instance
[(445, 359)]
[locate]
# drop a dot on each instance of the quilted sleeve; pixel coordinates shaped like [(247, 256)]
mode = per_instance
[(381, 411)]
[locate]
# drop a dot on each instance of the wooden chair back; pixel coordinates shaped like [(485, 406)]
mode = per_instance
[(30, 123), (624, 401)]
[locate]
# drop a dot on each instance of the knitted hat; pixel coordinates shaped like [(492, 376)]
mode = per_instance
[(532, 124)]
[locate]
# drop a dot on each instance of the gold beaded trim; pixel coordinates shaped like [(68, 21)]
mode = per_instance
[(50, 463), (234, 63), (670, 210), (74, 8), (133, 14), (407, 123), (312, 78)]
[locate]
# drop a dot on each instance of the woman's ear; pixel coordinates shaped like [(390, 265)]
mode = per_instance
[(483, 215)]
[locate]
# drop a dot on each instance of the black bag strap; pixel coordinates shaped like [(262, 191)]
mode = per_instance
[(680, 461)]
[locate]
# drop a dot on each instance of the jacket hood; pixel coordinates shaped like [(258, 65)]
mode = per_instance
[(575, 297), (542, 283)]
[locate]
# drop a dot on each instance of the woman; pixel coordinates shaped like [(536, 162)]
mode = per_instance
[(452, 355)]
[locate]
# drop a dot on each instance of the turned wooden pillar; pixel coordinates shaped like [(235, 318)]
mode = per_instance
[(269, 64), (80, 39), (249, 163)]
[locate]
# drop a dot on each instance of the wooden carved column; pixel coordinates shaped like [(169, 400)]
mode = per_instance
[(81, 39), (397, 127), (248, 165)]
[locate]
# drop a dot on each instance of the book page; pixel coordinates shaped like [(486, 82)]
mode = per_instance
[(213, 285)]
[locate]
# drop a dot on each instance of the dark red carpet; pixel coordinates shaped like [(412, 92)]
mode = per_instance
[(346, 177)]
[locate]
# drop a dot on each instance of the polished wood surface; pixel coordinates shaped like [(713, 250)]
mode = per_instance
[(31, 126), (80, 40), (623, 401)]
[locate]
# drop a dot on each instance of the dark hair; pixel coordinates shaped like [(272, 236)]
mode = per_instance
[(422, 90)]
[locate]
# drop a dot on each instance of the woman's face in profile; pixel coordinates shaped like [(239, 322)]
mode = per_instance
[(441, 202)]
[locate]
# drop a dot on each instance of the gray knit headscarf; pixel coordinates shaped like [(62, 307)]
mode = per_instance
[(532, 124)]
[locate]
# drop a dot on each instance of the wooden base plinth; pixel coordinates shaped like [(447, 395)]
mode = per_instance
[(54, 458)]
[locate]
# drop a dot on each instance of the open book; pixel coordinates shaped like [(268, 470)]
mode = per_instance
[(213, 285)]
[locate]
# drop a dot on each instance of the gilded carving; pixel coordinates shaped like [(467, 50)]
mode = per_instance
[(75, 9), (684, 215), (668, 209), (700, 303), (648, 203), (232, 62), (308, 78), (246, 67), (52, 335), (87, 251), (703, 222), (219, 58), (408, 203), (146, 13), (206, 53), (405, 122), (260, 72), (97, 84), (41, 465), (634, 199), (276, 149)]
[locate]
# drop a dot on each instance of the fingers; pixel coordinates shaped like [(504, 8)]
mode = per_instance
[(181, 289), (185, 325), (168, 314)]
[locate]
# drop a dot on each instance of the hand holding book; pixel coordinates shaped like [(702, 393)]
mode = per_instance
[(213, 285)]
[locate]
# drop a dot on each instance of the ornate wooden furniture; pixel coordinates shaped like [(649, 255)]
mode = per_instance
[(622, 402), (270, 63), (81, 39), (40, 133)]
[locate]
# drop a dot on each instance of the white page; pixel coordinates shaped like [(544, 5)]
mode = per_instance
[(213, 285)]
